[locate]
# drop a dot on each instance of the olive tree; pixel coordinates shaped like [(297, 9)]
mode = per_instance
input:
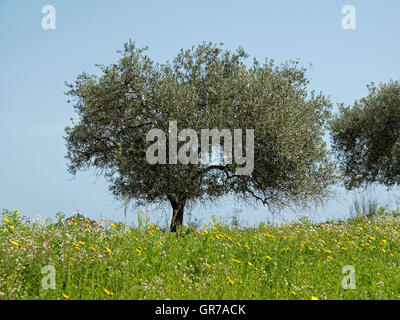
[(205, 87), (366, 137)]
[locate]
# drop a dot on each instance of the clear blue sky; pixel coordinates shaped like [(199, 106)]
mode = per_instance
[(34, 63)]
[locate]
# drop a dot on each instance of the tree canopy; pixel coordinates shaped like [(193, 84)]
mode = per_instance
[(366, 137), (204, 87)]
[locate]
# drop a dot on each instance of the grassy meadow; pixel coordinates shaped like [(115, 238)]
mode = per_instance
[(110, 260)]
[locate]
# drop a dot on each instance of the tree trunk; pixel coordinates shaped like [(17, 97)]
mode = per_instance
[(177, 214)]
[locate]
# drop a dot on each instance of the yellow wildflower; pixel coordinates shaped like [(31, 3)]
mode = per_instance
[(108, 292)]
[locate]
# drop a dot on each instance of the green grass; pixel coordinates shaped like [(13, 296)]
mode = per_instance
[(214, 262)]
